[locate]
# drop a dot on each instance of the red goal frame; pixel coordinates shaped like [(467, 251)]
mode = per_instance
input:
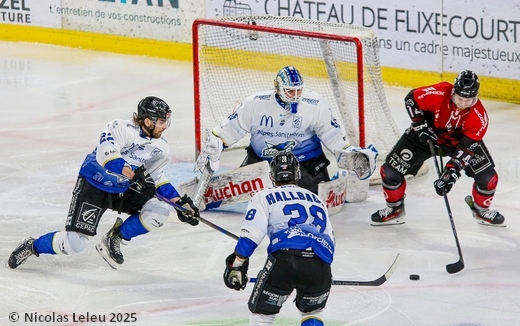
[(293, 32)]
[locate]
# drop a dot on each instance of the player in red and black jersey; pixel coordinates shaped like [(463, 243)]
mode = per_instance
[(454, 119)]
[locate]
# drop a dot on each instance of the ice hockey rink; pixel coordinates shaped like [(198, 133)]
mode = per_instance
[(55, 102)]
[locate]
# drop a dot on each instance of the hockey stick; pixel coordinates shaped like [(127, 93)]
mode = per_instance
[(459, 265), (203, 184), (376, 282), (200, 218)]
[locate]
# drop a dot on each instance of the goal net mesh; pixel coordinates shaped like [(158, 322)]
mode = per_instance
[(237, 56)]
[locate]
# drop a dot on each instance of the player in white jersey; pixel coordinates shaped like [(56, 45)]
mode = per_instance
[(300, 251), (288, 118), (123, 173)]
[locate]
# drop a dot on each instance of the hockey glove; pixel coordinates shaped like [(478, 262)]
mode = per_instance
[(360, 160), (235, 277), (143, 183), (190, 214), (448, 178), (211, 152), (423, 131)]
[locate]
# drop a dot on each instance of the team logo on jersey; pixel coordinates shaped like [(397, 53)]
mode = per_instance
[(297, 122), (267, 121), (155, 152), (271, 149)]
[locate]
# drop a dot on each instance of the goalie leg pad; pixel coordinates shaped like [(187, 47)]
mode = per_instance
[(69, 242)]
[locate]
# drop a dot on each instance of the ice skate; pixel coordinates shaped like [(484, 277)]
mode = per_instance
[(24, 250), (389, 216), (110, 246), (485, 216)]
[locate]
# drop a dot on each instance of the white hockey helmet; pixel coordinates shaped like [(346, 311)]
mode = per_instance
[(289, 87)]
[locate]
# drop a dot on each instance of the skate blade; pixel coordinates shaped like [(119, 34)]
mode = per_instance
[(481, 222), (397, 221), (102, 252)]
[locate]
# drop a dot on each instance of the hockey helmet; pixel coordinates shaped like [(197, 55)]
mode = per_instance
[(154, 108), (289, 87), (284, 168), (466, 84)]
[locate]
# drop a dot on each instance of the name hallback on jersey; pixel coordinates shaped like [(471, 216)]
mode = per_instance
[(293, 218)]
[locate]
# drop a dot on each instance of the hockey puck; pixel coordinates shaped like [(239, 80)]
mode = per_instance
[(414, 277)]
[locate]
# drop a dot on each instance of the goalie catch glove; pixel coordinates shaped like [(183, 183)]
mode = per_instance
[(191, 214), (143, 182), (235, 277), (211, 151), (423, 131), (360, 160)]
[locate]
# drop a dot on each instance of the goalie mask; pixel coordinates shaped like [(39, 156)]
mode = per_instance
[(285, 168), (465, 89), (289, 87), (154, 108)]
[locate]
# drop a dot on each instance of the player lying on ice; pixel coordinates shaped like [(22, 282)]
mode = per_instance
[(300, 251), (123, 173), (289, 117), (454, 119)]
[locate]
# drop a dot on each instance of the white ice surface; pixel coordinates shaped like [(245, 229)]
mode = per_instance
[(54, 102)]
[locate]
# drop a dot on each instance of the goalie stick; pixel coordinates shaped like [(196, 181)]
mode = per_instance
[(203, 184), (376, 282), (459, 265)]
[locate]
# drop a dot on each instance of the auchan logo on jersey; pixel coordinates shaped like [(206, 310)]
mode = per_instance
[(335, 199), (232, 189)]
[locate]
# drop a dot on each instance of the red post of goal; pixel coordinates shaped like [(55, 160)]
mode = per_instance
[(213, 35)]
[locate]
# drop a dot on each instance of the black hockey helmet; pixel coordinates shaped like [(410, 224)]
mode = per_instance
[(285, 168), (466, 84), (154, 108)]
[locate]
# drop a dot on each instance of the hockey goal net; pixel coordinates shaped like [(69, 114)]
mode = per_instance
[(237, 56)]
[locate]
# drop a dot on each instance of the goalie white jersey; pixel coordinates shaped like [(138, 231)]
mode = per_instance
[(292, 217), (274, 128)]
